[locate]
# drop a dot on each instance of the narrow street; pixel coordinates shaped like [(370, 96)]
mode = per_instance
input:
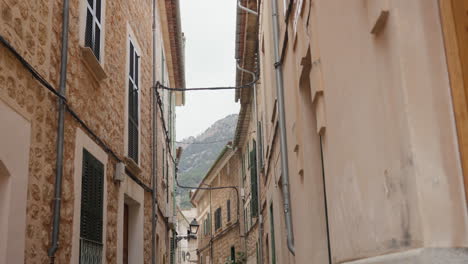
[(234, 131)]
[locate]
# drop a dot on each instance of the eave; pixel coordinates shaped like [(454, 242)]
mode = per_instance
[(174, 45)]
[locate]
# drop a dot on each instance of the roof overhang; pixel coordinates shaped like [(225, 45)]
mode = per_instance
[(246, 56), (174, 45)]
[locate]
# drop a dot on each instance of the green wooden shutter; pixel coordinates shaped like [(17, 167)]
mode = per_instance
[(228, 208), (260, 145), (253, 181), (92, 195), (218, 219)]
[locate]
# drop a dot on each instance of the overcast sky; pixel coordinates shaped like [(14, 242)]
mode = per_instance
[(209, 28)]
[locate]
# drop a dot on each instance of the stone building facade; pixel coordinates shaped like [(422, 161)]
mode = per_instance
[(374, 95), (105, 39), (186, 248), (218, 213)]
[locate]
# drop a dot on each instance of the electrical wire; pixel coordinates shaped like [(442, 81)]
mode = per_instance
[(244, 86), (166, 133), (201, 143), (31, 69), (68, 108)]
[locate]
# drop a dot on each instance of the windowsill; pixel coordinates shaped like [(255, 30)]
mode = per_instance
[(132, 166), (93, 64)]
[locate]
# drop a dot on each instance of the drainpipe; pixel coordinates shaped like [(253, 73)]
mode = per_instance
[(154, 157), (282, 126), (259, 204), (60, 135)]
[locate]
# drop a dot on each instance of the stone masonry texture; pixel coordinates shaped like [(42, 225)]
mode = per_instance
[(34, 29)]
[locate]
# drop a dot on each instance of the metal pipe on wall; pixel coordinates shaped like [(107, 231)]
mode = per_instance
[(154, 158), (259, 204), (60, 134), (282, 127)]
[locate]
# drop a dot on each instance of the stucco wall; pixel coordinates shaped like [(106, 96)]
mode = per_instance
[(382, 104)]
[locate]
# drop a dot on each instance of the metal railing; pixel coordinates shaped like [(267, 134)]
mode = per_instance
[(90, 252)]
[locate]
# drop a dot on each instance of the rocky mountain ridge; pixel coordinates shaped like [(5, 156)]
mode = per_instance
[(200, 152)]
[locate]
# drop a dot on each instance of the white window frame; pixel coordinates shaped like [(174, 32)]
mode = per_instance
[(131, 38), (133, 195), (83, 141), (84, 7)]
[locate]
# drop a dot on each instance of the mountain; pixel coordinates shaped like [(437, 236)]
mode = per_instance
[(200, 152)]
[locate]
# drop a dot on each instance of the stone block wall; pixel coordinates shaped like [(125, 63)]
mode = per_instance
[(34, 29)]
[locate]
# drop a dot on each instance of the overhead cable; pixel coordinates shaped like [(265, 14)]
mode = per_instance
[(244, 86)]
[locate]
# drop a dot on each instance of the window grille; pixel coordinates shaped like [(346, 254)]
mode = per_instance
[(133, 82), (93, 28), (91, 221)]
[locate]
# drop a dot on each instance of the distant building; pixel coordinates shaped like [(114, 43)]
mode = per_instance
[(186, 248), (218, 212), (104, 209)]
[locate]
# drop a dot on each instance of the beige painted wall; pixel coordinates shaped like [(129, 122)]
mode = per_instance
[(382, 103), (14, 159)]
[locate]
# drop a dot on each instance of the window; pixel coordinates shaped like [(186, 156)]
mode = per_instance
[(207, 225), (91, 221), (218, 219), (233, 253), (93, 26), (133, 108), (253, 180), (228, 210), (247, 215), (172, 245), (260, 145), (272, 235), (243, 167)]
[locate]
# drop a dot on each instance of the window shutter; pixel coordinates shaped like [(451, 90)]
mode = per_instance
[(133, 104), (89, 29), (218, 218), (253, 181), (228, 210), (260, 144), (233, 254), (272, 235), (92, 191), (97, 41), (172, 257), (93, 27)]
